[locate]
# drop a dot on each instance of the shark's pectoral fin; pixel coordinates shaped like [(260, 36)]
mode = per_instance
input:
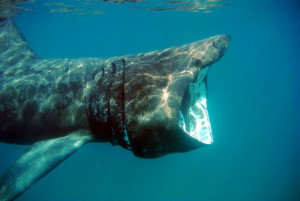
[(37, 161)]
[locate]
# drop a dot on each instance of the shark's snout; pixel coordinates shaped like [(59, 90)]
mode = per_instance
[(221, 42)]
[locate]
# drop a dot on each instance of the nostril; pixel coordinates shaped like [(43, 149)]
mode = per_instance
[(221, 43), (226, 37)]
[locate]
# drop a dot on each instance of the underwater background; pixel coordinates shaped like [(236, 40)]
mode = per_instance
[(253, 102)]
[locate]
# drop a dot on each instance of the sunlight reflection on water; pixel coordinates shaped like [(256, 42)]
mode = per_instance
[(10, 8)]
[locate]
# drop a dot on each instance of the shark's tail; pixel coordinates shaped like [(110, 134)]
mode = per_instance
[(14, 50)]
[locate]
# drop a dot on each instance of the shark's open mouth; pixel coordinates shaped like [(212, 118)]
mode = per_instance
[(193, 115)]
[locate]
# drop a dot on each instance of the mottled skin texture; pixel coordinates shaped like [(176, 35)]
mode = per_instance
[(141, 94), (45, 98)]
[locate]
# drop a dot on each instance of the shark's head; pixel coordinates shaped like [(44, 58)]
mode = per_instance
[(155, 103), (165, 97)]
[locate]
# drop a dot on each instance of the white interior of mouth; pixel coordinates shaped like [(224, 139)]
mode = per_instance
[(198, 119)]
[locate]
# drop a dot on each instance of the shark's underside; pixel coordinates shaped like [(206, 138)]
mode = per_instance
[(150, 103)]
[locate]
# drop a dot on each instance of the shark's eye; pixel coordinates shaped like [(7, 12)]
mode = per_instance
[(194, 119), (2, 21), (198, 62)]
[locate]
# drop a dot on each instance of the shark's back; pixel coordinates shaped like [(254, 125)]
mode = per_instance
[(14, 50), (39, 98)]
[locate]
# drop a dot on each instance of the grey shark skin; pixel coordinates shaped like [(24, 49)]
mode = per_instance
[(150, 103)]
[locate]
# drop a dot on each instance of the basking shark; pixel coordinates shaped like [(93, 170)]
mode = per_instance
[(150, 103)]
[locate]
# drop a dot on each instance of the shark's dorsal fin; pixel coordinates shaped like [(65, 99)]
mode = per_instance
[(37, 161), (14, 49)]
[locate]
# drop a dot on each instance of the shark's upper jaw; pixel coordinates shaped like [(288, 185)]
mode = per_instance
[(193, 114)]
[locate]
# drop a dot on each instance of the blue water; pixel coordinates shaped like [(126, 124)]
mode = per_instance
[(253, 102)]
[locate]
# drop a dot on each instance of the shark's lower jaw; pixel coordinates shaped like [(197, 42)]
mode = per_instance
[(193, 115)]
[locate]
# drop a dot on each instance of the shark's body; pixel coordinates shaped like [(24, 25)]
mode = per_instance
[(152, 103)]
